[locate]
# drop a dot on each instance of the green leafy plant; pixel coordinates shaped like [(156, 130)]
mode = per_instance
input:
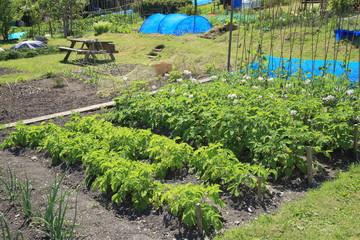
[(101, 27)]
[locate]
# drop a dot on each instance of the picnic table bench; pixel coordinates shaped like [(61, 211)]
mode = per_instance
[(90, 47)]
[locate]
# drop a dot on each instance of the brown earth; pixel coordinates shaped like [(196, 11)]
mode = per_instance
[(97, 217)]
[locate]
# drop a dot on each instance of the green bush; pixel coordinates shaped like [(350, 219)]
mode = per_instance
[(169, 6), (27, 53), (101, 27), (342, 6)]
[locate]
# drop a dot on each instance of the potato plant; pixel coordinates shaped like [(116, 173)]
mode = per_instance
[(269, 121)]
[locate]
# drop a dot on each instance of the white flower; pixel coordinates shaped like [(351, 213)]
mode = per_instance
[(303, 90), (272, 96), (260, 78), (154, 87), (350, 91), (307, 81), (288, 85), (247, 77), (213, 77), (328, 98), (191, 96), (193, 80), (255, 87), (187, 72), (243, 81), (167, 75), (161, 90), (235, 101), (270, 79), (179, 80), (232, 96), (293, 112), (125, 78), (172, 91), (223, 80), (260, 96), (184, 94)]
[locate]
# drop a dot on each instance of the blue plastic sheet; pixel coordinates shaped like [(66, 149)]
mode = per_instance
[(201, 2), (275, 66), (340, 33), (17, 35)]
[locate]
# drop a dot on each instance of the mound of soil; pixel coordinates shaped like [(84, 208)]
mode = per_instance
[(5, 70), (217, 31)]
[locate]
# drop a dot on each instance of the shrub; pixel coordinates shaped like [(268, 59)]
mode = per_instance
[(171, 6), (101, 27), (27, 53), (342, 6)]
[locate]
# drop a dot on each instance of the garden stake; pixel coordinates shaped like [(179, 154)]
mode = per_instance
[(356, 141), (309, 165), (199, 219), (259, 188)]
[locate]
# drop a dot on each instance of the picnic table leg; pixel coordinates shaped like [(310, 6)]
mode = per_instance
[(112, 56), (69, 52)]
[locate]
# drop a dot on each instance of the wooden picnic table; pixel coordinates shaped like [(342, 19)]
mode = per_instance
[(90, 47)]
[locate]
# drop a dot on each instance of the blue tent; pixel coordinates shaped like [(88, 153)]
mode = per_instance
[(276, 65), (151, 24), (169, 23), (340, 33), (193, 24), (176, 24)]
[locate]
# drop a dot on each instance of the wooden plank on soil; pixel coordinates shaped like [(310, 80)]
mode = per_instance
[(60, 114)]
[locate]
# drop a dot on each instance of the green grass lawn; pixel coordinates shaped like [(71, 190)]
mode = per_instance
[(330, 212)]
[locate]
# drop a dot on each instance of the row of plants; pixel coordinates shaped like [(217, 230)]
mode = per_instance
[(52, 220), (264, 120), (131, 163)]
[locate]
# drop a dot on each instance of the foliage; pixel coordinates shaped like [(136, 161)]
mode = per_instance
[(9, 13), (27, 53), (101, 27), (112, 157), (269, 120), (170, 6), (182, 199), (342, 6)]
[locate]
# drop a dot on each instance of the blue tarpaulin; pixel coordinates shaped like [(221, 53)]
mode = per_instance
[(17, 35), (276, 65), (340, 33), (201, 2)]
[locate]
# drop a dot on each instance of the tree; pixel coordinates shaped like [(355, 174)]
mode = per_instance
[(10, 12)]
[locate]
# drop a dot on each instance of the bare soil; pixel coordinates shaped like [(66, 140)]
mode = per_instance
[(97, 216)]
